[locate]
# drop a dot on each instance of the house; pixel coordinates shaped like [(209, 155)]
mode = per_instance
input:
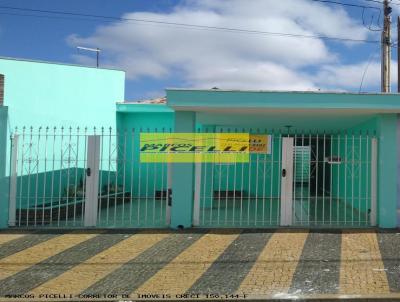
[(315, 159), (41, 95), (331, 160)]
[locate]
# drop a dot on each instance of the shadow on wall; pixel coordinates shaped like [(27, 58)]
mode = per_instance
[(4, 186), (54, 186)]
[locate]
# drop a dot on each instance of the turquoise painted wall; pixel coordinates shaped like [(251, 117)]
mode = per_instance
[(250, 184), (352, 178), (55, 188), (41, 94), (384, 128), (246, 177), (257, 100), (387, 170), (146, 178), (155, 117), (55, 95), (183, 177), (4, 184)]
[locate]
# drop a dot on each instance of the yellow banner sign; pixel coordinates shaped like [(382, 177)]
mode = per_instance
[(194, 147)]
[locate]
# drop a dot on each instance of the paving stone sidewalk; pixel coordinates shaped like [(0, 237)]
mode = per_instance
[(198, 265)]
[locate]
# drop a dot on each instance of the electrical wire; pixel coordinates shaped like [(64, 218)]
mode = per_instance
[(380, 2), (346, 4), (182, 25), (363, 7), (375, 1), (371, 57)]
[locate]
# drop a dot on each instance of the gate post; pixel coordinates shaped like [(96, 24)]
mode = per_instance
[(197, 190), (12, 207), (92, 181), (183, 177), (387, 173)]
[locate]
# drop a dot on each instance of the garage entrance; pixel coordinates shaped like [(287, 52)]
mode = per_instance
[(305, 179)]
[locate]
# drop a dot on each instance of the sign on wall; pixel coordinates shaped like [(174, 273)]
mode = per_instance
[(194, 147), (260, 144)]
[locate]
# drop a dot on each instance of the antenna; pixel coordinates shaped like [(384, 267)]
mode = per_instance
[(96, 50)]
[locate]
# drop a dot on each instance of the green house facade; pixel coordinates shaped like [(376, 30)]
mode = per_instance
[(340, 151), (70, 157)]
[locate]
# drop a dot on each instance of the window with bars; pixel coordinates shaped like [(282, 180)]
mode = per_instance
[(302, 161)]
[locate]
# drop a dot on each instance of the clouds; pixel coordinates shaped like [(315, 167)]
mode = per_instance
[(350, 76), (208, 58), (260, 75)]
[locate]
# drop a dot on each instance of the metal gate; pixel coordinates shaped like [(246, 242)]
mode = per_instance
[(75, 178), (240, 194), (306, 179)]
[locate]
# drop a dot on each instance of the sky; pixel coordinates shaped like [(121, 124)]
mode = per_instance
[(158, 56)]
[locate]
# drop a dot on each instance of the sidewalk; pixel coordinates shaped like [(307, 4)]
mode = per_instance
[(197, 264)]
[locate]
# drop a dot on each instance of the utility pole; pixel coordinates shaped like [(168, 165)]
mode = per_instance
[(398, 55), (386, 48)]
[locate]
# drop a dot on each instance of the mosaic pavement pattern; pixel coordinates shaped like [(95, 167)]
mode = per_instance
[(198, 264)]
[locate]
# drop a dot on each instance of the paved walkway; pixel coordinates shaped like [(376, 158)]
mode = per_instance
[(220, 264)]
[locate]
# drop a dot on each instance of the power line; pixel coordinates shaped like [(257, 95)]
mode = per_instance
[(347, 4), (363, 7), (371, 57), (184, 25), (380, 2), (53, 17), (374, 1)]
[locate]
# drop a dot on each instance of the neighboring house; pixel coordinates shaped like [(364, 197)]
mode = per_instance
[(41, 94), (44, 94)]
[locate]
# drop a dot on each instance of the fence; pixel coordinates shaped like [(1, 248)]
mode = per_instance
[(80, 177), (76, 177), (306, 179)]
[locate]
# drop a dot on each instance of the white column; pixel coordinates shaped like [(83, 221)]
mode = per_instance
[(374, 169), (197, 190), (13, 182), (287, 181)]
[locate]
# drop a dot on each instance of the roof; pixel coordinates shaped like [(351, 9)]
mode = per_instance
[(162, 100), (280, 91), (57, 63), (285, 101)]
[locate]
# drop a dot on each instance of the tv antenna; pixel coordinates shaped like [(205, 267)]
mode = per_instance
[(96, 50)]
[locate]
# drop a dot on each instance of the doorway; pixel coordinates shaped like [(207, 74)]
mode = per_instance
[(331, 180)]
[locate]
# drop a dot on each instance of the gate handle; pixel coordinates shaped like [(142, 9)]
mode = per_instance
[(283, 172), (88, 172)]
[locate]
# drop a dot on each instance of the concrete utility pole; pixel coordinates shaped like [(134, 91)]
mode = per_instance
[(386, 48), (398, 55)]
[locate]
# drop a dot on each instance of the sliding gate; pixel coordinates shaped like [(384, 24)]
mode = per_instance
[(300, 180), (76, 178)]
